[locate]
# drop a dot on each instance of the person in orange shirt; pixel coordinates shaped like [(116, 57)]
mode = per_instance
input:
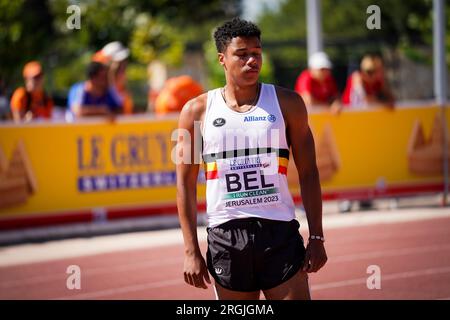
[(115, 56), (31, 102), (118, 70), (175, 93)]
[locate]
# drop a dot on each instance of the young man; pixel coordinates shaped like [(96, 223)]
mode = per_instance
[(253, 240), (94, 97)]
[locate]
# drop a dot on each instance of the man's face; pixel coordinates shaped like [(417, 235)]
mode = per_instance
[(369, 75), (100, 80), (242, 60), (34, 83), (321, 74)]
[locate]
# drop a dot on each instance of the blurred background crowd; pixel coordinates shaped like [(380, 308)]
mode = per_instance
[(132, 56)]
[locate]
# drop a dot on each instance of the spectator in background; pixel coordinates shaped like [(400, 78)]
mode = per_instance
[(156, 79), (175, 93), (118, 56), (31, 101), (364, 88), (317, 86), (367, 86), (94, 97), (4, 102)]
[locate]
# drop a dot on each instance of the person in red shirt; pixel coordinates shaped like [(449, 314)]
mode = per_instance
[(364, 88), (316, 85), (367, 86), (31, 101)]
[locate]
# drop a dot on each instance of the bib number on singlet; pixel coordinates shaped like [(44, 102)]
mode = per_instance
[(249, 181)]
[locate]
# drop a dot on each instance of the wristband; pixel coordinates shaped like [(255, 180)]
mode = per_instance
[(317, 238)]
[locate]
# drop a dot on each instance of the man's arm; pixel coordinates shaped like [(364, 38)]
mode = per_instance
[(388, 95), (18, 105), (334, 106), (195, 271), (307, 97), (303, 151), (90, 110)]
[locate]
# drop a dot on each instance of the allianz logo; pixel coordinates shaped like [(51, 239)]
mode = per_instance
[(270, 118)]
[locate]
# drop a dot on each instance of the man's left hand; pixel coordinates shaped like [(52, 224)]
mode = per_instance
[(315, 257)]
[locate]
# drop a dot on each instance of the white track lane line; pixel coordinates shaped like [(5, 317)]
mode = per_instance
[(123, 290), (387, 253), (330, 285), (55, 250), (86, 272), (172, 261), (393, 276)]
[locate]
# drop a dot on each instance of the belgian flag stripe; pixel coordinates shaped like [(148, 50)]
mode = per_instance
[(211, 168)]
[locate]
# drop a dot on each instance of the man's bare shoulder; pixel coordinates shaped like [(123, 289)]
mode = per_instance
[(195, 108), (285, 92), (290, 101)]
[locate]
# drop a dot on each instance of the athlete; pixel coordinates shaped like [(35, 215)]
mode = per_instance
[(247, 129)]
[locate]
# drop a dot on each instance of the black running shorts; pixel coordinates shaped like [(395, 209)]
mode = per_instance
[(254, 254)]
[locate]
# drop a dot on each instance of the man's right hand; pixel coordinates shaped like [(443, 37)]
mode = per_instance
[(336, 107), (195, 271)]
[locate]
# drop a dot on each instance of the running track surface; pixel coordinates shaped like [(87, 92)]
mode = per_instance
[(413, 256)]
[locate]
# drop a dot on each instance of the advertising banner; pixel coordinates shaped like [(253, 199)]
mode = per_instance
[(57, 172)]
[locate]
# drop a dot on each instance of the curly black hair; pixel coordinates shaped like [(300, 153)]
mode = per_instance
[(232, 29), (94, 68)]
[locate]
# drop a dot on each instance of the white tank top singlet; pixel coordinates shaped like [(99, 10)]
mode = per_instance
[(245, 159)]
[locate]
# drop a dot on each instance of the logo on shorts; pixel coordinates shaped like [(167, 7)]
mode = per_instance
[(219, 122), (218, 271)]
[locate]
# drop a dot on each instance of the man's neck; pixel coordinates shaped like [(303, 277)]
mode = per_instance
[(92, 90), (237, 96), (39, 90)]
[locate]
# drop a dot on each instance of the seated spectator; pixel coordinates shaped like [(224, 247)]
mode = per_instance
[(118, 56), (175, 93), (4, 102), (31, 101), (94, 97), (367, 86), (316, 85)]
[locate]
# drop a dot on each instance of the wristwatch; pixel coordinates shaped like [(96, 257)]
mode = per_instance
[(317, 238)]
